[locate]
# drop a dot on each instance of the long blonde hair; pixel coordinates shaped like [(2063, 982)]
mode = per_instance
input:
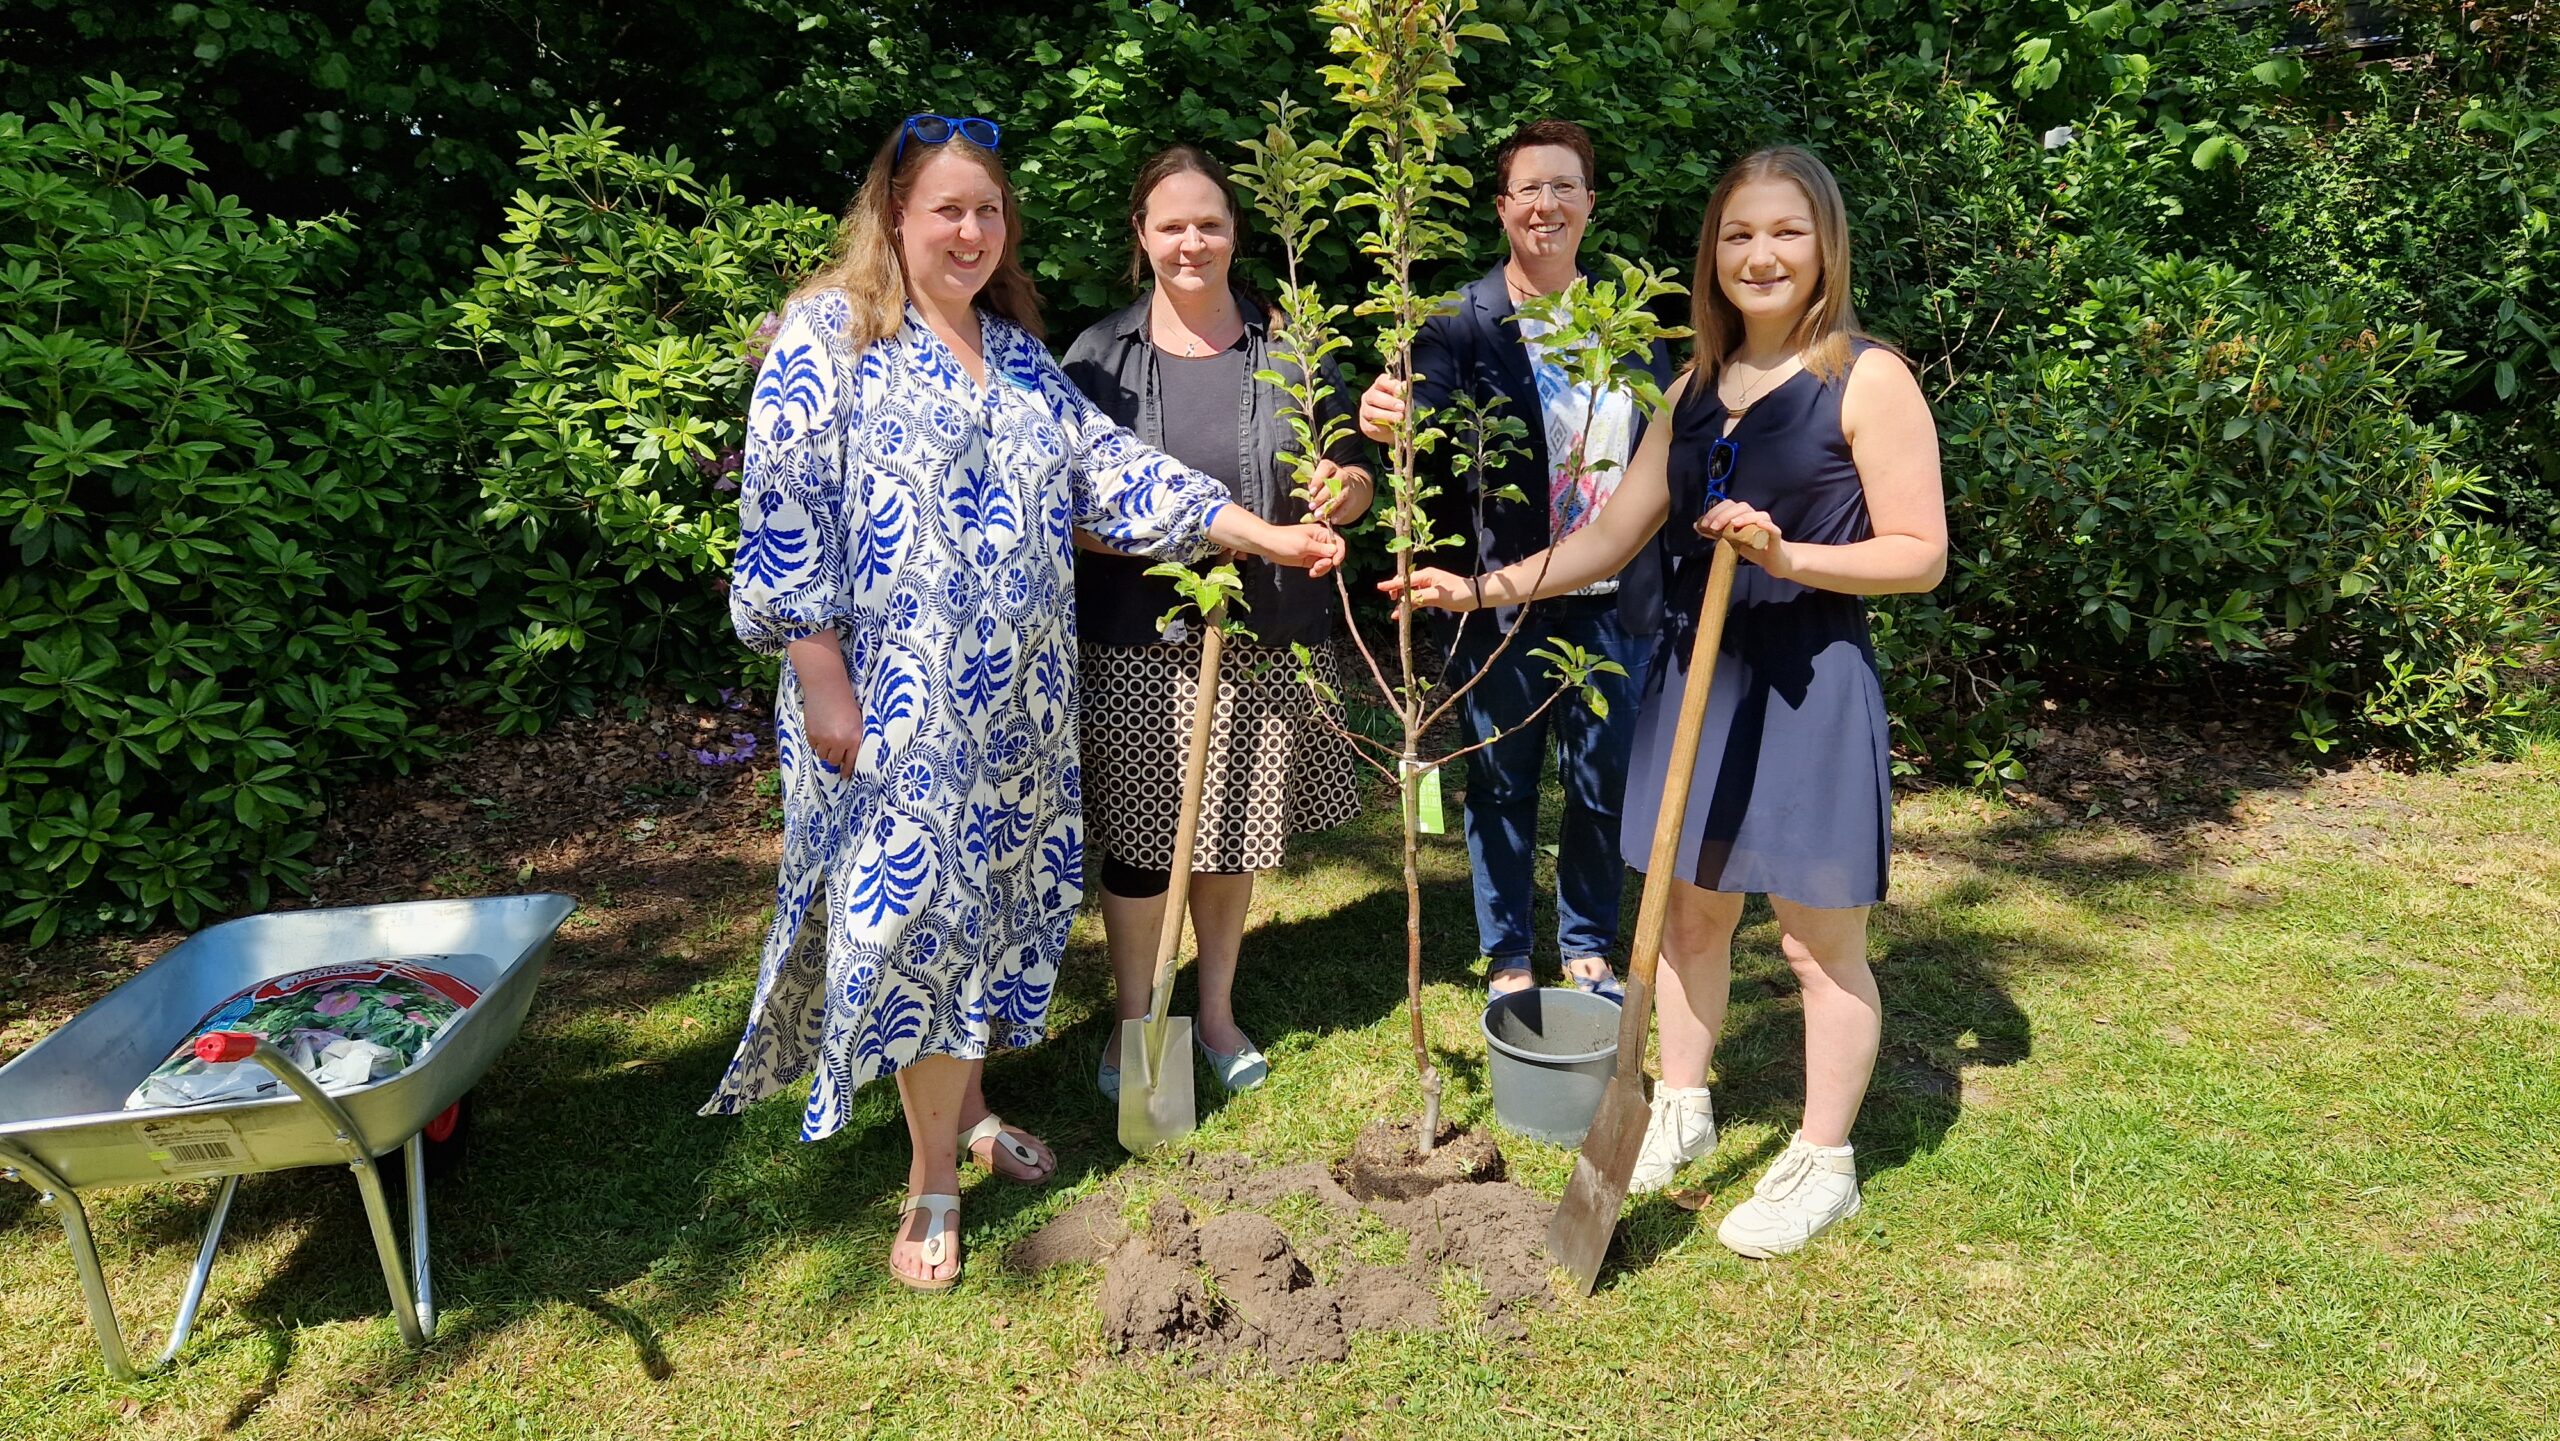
[(868, 268), (1823, 333)]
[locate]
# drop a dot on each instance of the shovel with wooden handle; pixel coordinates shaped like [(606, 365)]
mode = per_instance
[(1156, 1100), (1578, 1235)]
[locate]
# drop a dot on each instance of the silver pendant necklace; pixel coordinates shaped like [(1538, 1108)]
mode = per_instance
[(1751, 396), (1191, 346)]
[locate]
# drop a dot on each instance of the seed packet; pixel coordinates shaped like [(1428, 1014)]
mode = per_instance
[(347, 1025)]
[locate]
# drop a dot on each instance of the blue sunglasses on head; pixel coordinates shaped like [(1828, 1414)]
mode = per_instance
[(938, 129)]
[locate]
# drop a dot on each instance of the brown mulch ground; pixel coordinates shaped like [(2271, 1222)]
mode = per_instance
[(669, 835), (668, 839)]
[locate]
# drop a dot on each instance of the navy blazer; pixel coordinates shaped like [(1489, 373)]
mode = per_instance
[(1474, 348)]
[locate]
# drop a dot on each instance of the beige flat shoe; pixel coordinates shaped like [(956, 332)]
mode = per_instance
[(941, 1239), (992, 1131)]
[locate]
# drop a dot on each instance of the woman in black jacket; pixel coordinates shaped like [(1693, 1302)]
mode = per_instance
[(1177, 367)]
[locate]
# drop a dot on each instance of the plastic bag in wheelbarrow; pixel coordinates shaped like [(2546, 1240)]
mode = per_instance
[(346, 1025)]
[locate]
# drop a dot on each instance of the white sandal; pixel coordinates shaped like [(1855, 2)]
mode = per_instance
[(992, 1129), (941, 1241)]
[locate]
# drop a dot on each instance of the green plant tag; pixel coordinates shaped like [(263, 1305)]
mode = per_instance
[(1425, 780)]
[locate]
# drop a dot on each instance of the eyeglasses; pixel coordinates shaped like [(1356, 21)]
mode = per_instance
[(1566, 190), (1722, 455), (937, 129)]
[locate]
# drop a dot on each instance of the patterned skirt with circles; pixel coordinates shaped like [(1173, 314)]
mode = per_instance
[(1277, 767)]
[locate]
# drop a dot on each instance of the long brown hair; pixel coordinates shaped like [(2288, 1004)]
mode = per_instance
[(1171, 161), (868, 268), (1822, 334)]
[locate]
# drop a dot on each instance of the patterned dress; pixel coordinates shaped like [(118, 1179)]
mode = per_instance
[(926, 521)]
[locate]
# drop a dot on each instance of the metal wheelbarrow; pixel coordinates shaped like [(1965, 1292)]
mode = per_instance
[(64, 1129)]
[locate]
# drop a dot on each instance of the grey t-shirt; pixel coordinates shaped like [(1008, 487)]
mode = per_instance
[(1204, 422), (1204, 402)]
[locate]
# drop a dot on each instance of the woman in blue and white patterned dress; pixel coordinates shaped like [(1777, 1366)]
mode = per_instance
[(915, 466)]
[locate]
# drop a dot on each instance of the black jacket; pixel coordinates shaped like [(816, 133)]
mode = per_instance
[(1474, 348), (1117, 603)]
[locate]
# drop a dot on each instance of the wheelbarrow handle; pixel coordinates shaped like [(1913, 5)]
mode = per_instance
[(412, 1304), (216, 1048)]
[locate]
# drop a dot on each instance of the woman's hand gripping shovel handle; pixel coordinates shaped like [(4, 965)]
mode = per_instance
[(1578, 1236), (1156, 1100)]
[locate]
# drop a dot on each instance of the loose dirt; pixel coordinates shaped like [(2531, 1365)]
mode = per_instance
[(1239, 1283), (1383, 1166)]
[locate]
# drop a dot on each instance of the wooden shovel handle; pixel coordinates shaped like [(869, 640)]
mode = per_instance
[(1195, 773), (1673, 809)]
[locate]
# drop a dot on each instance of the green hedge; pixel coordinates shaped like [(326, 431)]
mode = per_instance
[(227, 549), (2251, 370), (611, 334)]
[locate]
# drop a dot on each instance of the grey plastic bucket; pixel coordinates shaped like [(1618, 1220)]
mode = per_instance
[(1550, 1053)]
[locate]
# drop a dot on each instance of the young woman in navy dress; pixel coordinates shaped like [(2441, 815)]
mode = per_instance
[(1793, 424)]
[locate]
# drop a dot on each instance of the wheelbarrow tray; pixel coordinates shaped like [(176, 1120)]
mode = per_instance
[(63, 1100), (64, 1129)]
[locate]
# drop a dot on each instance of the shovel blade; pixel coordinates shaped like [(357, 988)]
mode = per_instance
[(1156, 1101), (1578, 1235)]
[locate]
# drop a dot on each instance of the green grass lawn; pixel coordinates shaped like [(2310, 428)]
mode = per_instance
[(2238, 1127)]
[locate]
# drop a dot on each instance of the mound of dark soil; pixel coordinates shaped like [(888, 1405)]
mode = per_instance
[(1384, 1166), (1239, 1283)]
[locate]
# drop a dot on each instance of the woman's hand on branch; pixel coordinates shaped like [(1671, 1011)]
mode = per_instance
[(1343, 493), (1312, 548), (1433, 589), (1383, 408), (1316, 549)]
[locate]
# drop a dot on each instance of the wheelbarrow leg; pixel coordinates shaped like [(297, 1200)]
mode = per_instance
[(386, 1245), (65, 1203), (415, 1322), (414, 1154), (202, 1273)]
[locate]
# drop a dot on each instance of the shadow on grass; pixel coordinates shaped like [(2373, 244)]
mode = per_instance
[(279, 1354), (592, 1184), (1946, 1012), (589, 1181)]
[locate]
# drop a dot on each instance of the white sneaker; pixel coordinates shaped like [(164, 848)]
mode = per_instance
[(1804, 1192), (1681, 1129)]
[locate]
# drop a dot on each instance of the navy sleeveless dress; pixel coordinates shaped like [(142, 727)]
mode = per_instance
[(1793, 794)]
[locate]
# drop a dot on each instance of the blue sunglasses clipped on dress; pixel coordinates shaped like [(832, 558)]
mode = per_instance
[(937, 129), (1722, 456)]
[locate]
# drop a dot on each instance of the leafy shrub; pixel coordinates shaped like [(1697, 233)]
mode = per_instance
[(247, 549), (2518, 286), (221, 523), (610, 332), (406, 117), (2202, 469)]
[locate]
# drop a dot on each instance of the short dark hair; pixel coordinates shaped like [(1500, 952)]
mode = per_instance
[(1163, 165), (1546, 132)]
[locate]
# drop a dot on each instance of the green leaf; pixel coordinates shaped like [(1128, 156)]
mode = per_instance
[(2283, 73)]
